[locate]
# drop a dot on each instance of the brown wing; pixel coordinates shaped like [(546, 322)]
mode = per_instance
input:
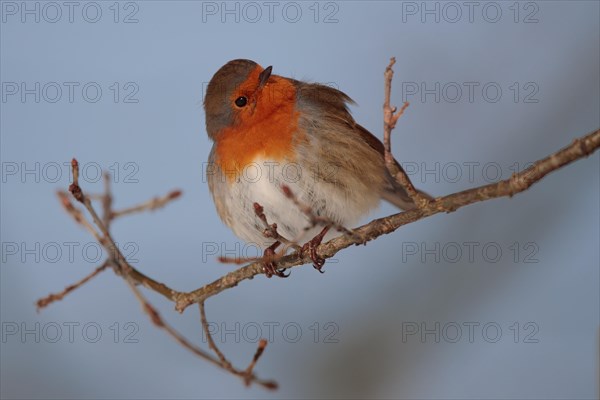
[(336, 102)]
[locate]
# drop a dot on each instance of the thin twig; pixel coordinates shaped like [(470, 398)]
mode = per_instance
[(150, 205), (135, 274), (262, 344), (52, 297), (390, 118), (271, 229), (131, 277), (315, 220), (158, 321), (106, 240), (270, 232), (211, 343), (247, 375), (77, 215), (107, 200)]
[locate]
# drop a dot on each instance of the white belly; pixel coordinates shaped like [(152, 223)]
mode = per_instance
[(261, 182)]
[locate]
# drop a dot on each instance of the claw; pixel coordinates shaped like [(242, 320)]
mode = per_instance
[(311, 246), (270, 267)]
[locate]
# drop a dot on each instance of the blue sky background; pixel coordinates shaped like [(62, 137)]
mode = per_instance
[(541, 290)]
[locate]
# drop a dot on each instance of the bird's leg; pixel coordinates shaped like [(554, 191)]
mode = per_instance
[(312, 246), (270, 266)]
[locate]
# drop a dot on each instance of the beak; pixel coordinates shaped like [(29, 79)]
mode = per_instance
[(264, 76)]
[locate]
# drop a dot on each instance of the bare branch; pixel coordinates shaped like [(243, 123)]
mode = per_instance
[(51, 298), (262, 344), (390, 117), (133, 277), (159, 322), (150, 205), (211, 343), (517, 183), (247, 375), (77, 215), (107, 200)]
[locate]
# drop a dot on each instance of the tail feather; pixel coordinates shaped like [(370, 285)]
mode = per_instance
[(397, 195), (399, 198)]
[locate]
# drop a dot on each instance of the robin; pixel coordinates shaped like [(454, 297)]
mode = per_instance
[(274, 136)]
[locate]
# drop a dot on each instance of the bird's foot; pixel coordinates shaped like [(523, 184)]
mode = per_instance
[(311, 247), (269, 265)]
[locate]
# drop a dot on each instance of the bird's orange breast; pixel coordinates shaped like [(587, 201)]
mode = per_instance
[(270, 132)]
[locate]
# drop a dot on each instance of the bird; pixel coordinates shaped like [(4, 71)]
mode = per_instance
[(275, 137)]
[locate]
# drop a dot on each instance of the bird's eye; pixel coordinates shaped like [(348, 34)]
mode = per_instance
[(241, 101)]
